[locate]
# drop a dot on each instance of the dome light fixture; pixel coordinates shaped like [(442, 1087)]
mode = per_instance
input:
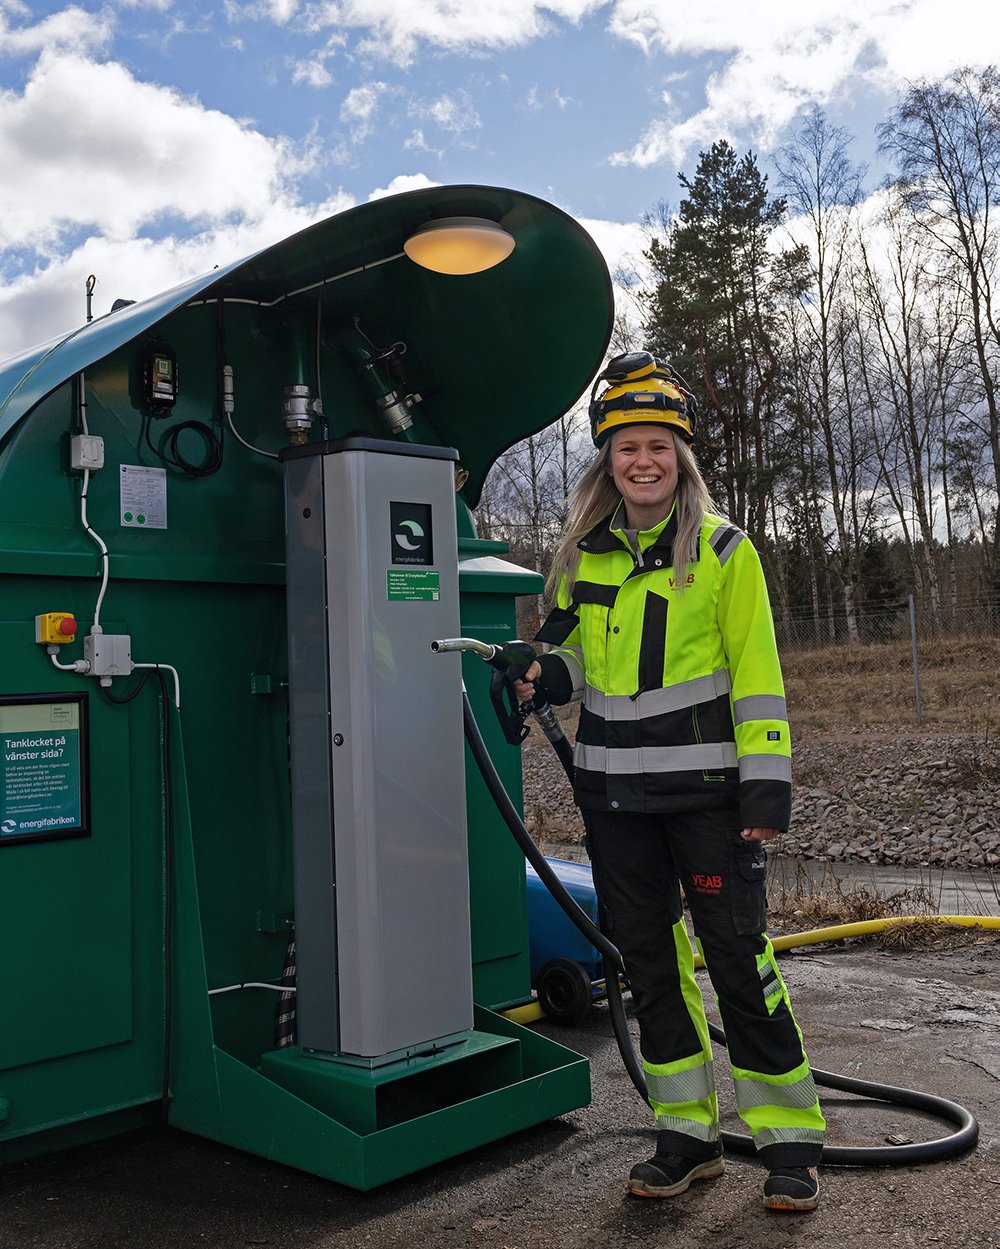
[(459, 245)]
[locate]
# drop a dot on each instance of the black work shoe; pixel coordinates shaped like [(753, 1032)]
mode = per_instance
[(792, 1188), (667, 1175)]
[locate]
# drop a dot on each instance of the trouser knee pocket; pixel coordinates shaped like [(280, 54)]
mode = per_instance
[(748, 887)]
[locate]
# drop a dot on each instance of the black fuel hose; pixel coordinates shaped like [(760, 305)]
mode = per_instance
[(612, 959), (950, 1146)]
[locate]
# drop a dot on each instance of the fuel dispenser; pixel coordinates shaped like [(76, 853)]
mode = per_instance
[(232, 519), (376, 736)]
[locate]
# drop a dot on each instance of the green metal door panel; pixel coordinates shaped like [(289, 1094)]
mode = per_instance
[(81, 926), (236, 752), (66, 923)]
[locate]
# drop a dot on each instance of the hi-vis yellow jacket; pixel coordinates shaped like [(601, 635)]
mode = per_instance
[(683, 701)]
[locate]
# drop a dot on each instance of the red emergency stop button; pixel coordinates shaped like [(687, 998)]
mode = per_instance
[(53, 628)]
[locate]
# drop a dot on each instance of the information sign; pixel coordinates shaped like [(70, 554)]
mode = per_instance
[(43, 767)]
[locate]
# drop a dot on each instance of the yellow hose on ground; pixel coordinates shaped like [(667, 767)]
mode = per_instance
[(532, 1012)]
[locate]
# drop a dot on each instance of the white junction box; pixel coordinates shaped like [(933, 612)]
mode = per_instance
[(109, 654), (86, 451)]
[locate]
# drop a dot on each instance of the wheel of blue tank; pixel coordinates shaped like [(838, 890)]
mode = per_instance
[(564, 991)]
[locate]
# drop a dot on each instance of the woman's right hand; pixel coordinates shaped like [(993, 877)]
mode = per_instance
[(524, 687)]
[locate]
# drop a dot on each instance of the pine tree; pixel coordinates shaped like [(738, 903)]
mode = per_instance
[(712, 312)]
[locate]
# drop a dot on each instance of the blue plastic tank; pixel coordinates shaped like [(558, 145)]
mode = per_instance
[(551, 933)]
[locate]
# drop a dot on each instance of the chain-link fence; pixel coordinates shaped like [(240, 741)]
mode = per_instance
[(895, 624)]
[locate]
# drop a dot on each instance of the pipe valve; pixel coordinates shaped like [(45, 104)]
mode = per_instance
[(300, 410)]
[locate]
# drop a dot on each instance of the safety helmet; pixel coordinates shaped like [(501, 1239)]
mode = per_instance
[(641, 391)]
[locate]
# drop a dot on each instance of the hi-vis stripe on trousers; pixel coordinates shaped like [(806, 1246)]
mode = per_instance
[(640, 862)]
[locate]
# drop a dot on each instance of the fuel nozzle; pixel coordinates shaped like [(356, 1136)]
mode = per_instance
[(518, 657), (509, 663)]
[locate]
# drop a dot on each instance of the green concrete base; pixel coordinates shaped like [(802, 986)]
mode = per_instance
[(365, 1128)]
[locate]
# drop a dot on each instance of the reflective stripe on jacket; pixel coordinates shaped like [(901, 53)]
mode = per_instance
[(683, 701)]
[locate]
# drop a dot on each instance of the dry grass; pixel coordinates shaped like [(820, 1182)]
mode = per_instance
[(932, 934), (804, 902), (840, 691), (844, 691), (807, 902)]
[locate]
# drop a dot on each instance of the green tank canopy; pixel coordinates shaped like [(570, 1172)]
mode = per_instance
[(477, 361)]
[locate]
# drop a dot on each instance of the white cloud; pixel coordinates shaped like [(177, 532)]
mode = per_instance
[(534, 101), (454, 113), (73, 29), (932, 36), (360, 108), (312, 70), (621, 244), (403, 182), (37, 306), (280, 12), (782, 57), (416, 142), (313, 73), (158, 6), (95, 162), (396, 28), (87, 145)]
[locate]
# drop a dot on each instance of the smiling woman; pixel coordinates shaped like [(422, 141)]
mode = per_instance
[(682, 771)]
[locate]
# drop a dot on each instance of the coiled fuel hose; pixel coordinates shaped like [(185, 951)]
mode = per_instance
[(958, 1142)]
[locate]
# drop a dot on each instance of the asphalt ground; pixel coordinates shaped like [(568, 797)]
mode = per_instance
[(929, 1019)]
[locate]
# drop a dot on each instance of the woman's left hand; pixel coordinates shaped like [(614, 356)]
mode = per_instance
[(759, 834)]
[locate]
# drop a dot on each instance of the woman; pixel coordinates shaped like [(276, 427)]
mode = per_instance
[(683, 771)]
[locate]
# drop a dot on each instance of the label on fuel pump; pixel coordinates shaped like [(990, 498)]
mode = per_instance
[(413, 585)]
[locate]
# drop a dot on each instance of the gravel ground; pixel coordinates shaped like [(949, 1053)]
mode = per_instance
[(925, 1018), (909, 801)]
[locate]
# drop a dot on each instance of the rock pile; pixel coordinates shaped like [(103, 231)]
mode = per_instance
[(911, 801)]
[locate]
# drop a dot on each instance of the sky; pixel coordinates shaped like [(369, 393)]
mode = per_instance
[(146, 141)]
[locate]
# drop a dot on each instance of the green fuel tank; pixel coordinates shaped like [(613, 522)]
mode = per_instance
[(147, 847)]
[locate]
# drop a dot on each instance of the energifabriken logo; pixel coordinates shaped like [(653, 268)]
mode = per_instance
[(407, 531), (412, 539)]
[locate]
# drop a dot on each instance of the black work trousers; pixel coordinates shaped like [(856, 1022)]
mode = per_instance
[(640, 864)]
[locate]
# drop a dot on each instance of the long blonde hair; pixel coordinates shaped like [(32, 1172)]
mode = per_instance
[(596, 496)]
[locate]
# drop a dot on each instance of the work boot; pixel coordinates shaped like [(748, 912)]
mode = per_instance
[(792, 1188), (667, 1174)]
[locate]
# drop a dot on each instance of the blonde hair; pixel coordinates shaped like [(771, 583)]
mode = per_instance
[(596, 496)]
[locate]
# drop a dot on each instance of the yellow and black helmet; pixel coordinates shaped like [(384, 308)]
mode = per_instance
[(641, 391)]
